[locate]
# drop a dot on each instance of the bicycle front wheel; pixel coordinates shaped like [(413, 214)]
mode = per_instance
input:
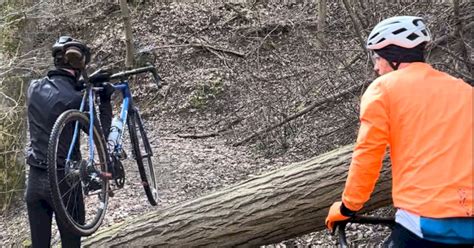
[(142, 153), (77, 173)]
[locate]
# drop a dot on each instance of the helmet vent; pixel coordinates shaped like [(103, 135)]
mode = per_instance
[(380, 40), (399, 31), (412, 36), (424, 32), (371, 37), (416, 21)]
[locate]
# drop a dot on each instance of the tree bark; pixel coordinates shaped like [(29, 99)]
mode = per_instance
[(13, 85), (322, 12), (282, 204), (12, 139), (129, 59)]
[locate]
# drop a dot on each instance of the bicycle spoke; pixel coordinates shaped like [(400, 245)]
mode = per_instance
[(71, 188), (68, 201), (64, 179), (74, 205), (82, 213)]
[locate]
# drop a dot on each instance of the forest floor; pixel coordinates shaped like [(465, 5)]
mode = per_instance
[(233, 67), (186, 169)]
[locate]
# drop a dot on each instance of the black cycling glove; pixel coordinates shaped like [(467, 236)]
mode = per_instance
[(106, 93), (100, 77)]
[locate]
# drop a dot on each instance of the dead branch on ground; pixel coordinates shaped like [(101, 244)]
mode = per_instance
[(306, 110), (212, 134)]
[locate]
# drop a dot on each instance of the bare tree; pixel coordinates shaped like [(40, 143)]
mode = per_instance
[(357, 28), (129, 60), (15, 72), (322, 12)]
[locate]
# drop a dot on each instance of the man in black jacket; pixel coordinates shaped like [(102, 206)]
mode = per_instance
[(47, 98)]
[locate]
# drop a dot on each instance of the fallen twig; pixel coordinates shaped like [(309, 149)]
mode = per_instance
[(212, 134), (262, 41)]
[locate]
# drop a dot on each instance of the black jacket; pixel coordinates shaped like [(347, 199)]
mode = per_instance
[(47, 99)]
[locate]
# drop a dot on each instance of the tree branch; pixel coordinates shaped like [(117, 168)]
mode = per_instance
[(356, 25), (203, 46), (212, 134), (458, 32), (301, 113)]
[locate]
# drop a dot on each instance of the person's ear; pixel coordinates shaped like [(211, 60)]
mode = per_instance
[(75, 57)]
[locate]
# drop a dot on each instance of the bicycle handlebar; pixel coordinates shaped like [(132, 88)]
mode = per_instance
[(125, 74), (340, 226)]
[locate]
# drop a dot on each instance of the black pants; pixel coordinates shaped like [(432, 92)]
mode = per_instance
[(402, 237), (40, 211)]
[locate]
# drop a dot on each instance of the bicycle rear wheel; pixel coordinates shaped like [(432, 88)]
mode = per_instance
[(143, 153), (78, 185)]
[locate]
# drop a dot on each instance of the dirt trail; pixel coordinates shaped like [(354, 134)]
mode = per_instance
[(185, 168)]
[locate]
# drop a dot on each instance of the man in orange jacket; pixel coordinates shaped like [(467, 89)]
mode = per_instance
[(425, 117)]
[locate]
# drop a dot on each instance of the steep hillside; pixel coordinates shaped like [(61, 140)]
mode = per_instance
[(247, 65), (231, 70)]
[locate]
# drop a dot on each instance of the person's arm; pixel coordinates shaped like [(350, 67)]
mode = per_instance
[(369, 150), (105, 107), (105, 114)]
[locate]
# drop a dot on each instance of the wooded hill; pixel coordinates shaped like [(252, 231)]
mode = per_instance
[(283, 79)]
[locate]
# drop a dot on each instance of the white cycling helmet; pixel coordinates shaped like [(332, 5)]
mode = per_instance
[(402, 31)]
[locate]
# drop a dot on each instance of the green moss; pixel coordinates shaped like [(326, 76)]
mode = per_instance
[(12, 137), (27, 243), (12, 105), (206, 92), (12, 21)]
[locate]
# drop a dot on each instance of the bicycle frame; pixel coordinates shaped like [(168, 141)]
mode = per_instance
[(124, 88), (89, 97), (95, 177)]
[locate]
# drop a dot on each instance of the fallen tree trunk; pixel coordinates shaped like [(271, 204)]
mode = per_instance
[(282, 204)]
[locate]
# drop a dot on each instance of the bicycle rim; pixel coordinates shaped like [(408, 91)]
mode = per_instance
[(142, 153), (78, 192)]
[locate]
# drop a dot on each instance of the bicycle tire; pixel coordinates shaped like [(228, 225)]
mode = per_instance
[(78, 227), (147, 173)]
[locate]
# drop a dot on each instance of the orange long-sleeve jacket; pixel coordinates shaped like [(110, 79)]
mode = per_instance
[(425, 117)]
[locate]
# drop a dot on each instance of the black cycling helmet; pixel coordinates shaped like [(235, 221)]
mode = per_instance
[(61, 45)]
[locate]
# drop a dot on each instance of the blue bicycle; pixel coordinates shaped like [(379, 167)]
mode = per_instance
[(83, 176)]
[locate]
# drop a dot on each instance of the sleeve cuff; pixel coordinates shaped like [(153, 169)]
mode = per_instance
[(347, 212)]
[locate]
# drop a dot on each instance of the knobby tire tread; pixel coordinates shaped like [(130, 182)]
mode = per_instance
[(133, 121), (60, 211)]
